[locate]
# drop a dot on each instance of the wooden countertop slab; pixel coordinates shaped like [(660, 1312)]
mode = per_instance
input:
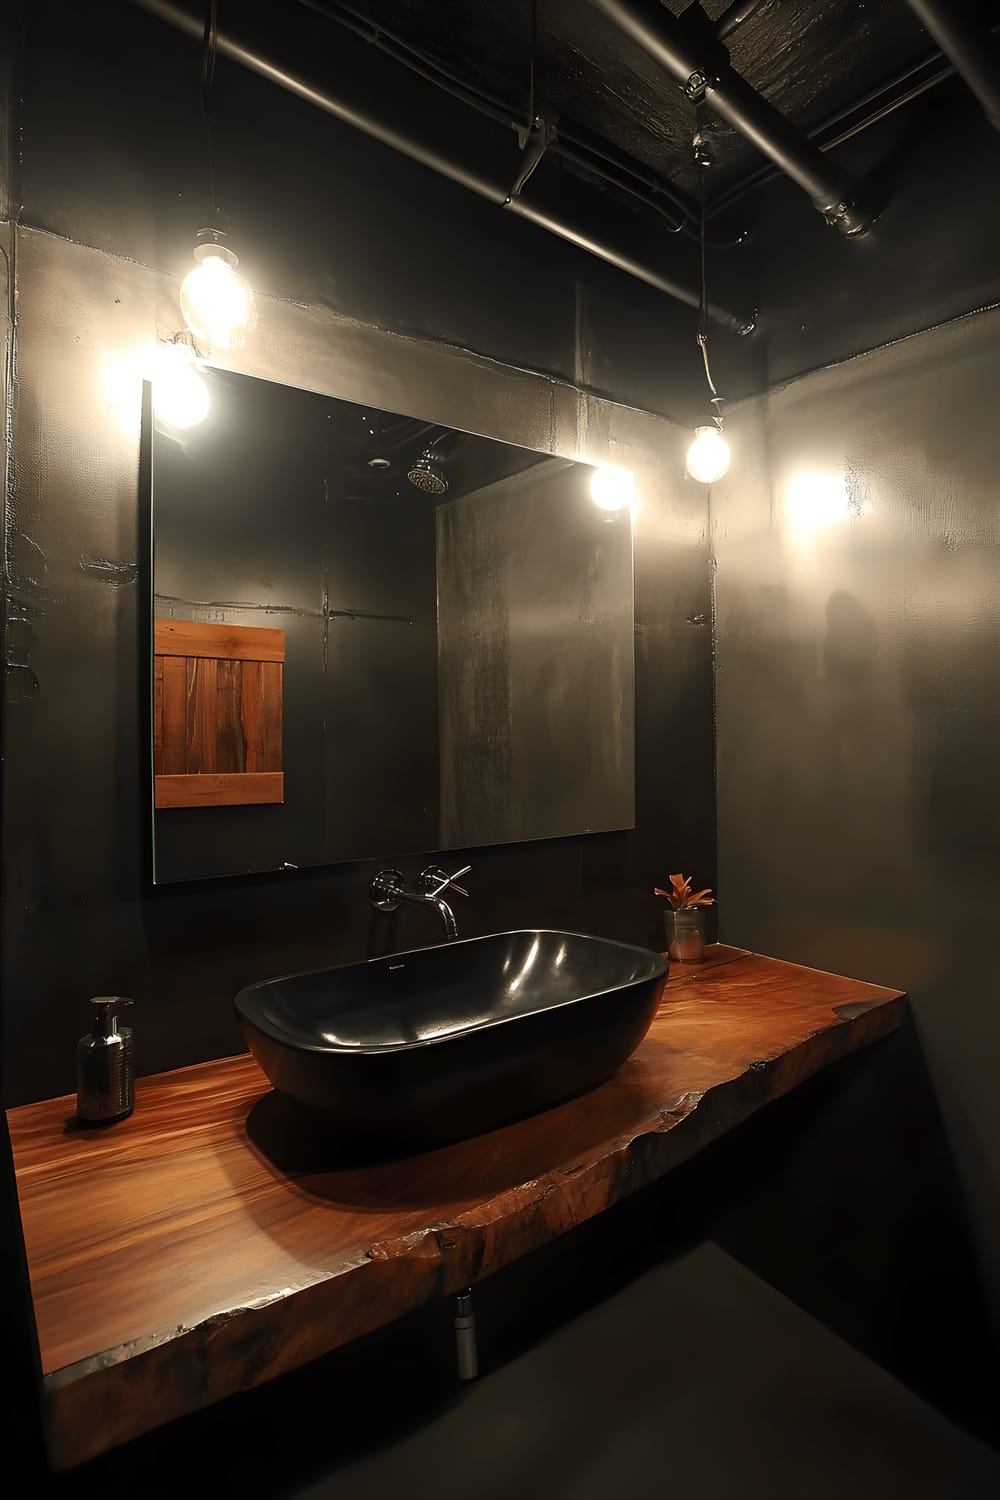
[(209, 1243)]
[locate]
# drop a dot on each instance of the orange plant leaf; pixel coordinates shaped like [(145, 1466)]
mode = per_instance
[(680, 895), (702, 898)]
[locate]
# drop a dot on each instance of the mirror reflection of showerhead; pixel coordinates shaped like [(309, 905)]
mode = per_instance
[(427, 475)]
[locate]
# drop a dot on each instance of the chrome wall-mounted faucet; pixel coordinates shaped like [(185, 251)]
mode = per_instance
[(388, 889)]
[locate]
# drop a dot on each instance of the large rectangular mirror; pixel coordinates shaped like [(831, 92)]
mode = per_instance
[(375, 636)]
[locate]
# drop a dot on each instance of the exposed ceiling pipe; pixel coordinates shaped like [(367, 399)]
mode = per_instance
[(702, 67), (445, 163), (973, 49), (846, 123), (568, 142)]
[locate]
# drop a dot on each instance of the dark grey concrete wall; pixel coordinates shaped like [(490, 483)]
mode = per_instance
[(377, 281), (858, 703), (535, 643), (857, 730)]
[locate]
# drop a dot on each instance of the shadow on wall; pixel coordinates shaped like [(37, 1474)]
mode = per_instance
[(828, 756), (956, 727), (859, 808), (895, 805), (849, 1204)]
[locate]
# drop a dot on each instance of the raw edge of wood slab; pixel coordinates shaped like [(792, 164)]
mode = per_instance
[(125, 1391)]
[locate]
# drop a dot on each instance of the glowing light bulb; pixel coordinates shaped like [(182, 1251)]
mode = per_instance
[(708, 457), (180, 396), (612, 488), (217, 303)]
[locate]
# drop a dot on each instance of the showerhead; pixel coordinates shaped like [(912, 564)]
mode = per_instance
[(427, 476)]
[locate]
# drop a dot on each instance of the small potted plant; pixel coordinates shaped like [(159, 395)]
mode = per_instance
[(685, 919)]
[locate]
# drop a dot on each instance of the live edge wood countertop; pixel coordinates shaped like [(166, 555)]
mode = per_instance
[(204, 1245)]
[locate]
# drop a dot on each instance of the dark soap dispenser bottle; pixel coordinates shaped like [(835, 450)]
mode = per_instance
[(105, 1070)]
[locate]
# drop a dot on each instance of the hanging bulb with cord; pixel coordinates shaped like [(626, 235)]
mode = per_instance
[(217, 303), (709, 456)]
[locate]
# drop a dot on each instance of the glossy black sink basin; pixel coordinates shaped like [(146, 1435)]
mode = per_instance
[(431, 1046)]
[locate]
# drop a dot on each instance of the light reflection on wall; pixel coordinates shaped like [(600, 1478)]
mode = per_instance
[(815, 501)]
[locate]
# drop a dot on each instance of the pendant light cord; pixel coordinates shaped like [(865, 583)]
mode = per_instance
[(210, 48), (531, 65), (702, 335)]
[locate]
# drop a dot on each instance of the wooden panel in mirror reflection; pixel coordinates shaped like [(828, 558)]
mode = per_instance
[(217, 714)]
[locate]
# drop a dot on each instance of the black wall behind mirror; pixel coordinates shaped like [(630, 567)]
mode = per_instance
[(458, 619)]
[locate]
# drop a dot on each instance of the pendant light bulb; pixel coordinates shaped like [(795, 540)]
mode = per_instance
[(708, 457), (217, 303)]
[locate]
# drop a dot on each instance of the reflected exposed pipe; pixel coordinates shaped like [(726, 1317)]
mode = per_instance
[(973, 49), (704, 72), (429, 155), (733, 16)]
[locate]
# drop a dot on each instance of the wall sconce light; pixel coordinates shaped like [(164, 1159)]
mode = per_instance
[(612, 488), (180, 396)]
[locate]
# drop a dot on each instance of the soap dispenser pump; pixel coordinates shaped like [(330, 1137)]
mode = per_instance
[(105, 1071)]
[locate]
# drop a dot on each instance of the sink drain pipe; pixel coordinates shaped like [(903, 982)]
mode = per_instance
[(466, 1351)]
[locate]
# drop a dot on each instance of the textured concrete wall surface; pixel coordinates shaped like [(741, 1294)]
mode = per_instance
[(535, 640), (858, 686)]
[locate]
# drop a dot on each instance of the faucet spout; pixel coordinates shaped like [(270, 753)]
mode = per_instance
[(389, 888), (447, 916)]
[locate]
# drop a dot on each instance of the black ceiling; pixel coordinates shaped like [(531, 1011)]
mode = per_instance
[(811, 58)]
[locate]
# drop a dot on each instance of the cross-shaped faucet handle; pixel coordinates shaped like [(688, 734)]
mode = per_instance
[(437, 881)]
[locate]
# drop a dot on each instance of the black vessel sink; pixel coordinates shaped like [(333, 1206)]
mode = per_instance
[(431, 1046)]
